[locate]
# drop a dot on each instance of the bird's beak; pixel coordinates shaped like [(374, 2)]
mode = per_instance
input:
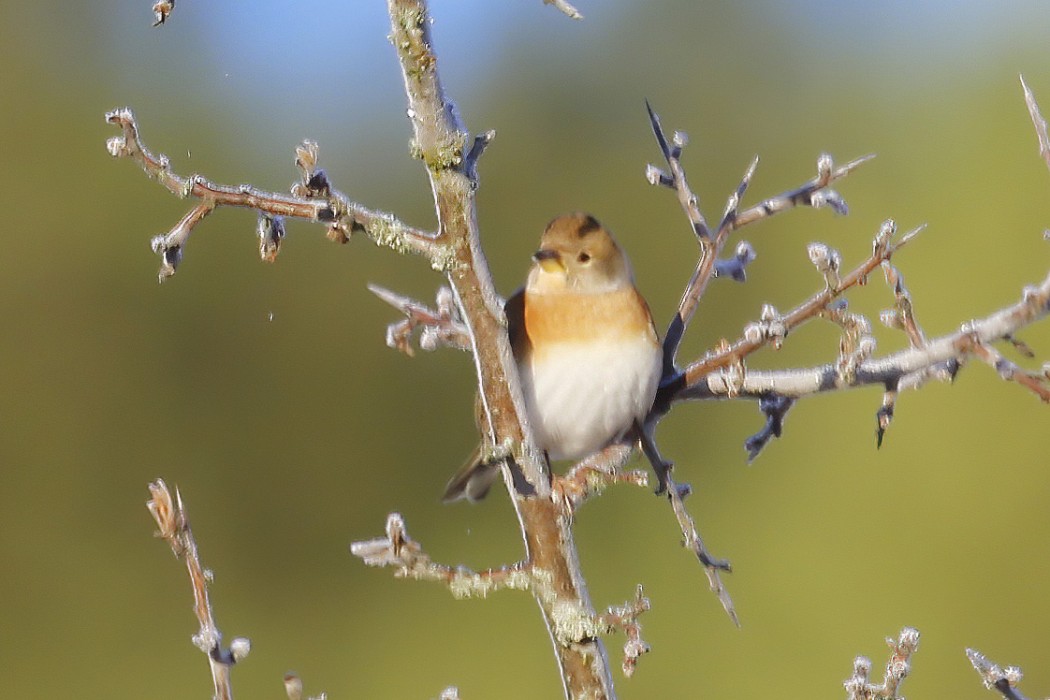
[(549, 260)]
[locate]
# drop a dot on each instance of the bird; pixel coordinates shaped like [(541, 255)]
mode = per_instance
[(588, 355)]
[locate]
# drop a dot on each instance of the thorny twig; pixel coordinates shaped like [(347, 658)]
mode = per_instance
[(815, 193), (691, 539), (174, 527), (1002, 680), (860, 687)]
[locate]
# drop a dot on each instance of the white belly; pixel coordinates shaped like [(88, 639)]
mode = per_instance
[(582, 396)]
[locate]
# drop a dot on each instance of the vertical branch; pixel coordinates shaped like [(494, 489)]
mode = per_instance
[(442, 143), (174, 528), (1038, 122)]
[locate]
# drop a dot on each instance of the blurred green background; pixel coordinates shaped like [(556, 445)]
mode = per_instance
[(267, 395)]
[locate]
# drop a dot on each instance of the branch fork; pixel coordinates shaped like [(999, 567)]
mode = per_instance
[(859, 686)]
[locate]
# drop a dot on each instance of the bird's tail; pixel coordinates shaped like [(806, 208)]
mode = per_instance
[(473, 480)]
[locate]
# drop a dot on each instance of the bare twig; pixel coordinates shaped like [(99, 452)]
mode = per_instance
[(860, 687), (1009, 371), (625, 618), (438, 327), (572, 622), (940, 354), (775, 327), (902, 316), (565, 7), (408, 559), (174, 527), (1038, 122), (691, 539), (592, 475), (775, 408), (1001, 680), (342, 216)]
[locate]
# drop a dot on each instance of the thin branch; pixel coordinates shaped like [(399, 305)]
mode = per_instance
[(1038, 122), (625, 619), (1001, 680), (342, 216), (408, 559), (565, 7), (592, 475), (860, 687), (573, 622), (939, 354), (174, 527), (691, 539), (170, 245), (775, 408), (774, 327), (1008, 371), (902, 316), (438, 327)]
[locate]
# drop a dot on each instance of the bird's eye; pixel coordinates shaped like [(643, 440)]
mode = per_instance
[(583, 258)]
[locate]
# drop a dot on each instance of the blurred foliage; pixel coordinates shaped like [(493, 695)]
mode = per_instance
[(267, 395)]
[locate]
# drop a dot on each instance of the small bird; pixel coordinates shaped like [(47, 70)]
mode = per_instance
[(588, 354)]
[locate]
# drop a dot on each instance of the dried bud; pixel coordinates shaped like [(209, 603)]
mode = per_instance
[(318, 185), (884, 236), (306, 157), (117, 146), (745, 253), (769, 313), (818, 255), (429, 338), (866, 347), (754, 333), (170, 256), (161, 11), (270, 230), (337, 234), (293, 686), (240, 647), (831, 199), (824, 167), (656, 176), (891, 318)]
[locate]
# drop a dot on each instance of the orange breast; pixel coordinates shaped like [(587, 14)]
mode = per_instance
[(573, 317)]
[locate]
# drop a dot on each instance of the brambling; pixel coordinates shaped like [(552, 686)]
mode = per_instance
[(588, 355)]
